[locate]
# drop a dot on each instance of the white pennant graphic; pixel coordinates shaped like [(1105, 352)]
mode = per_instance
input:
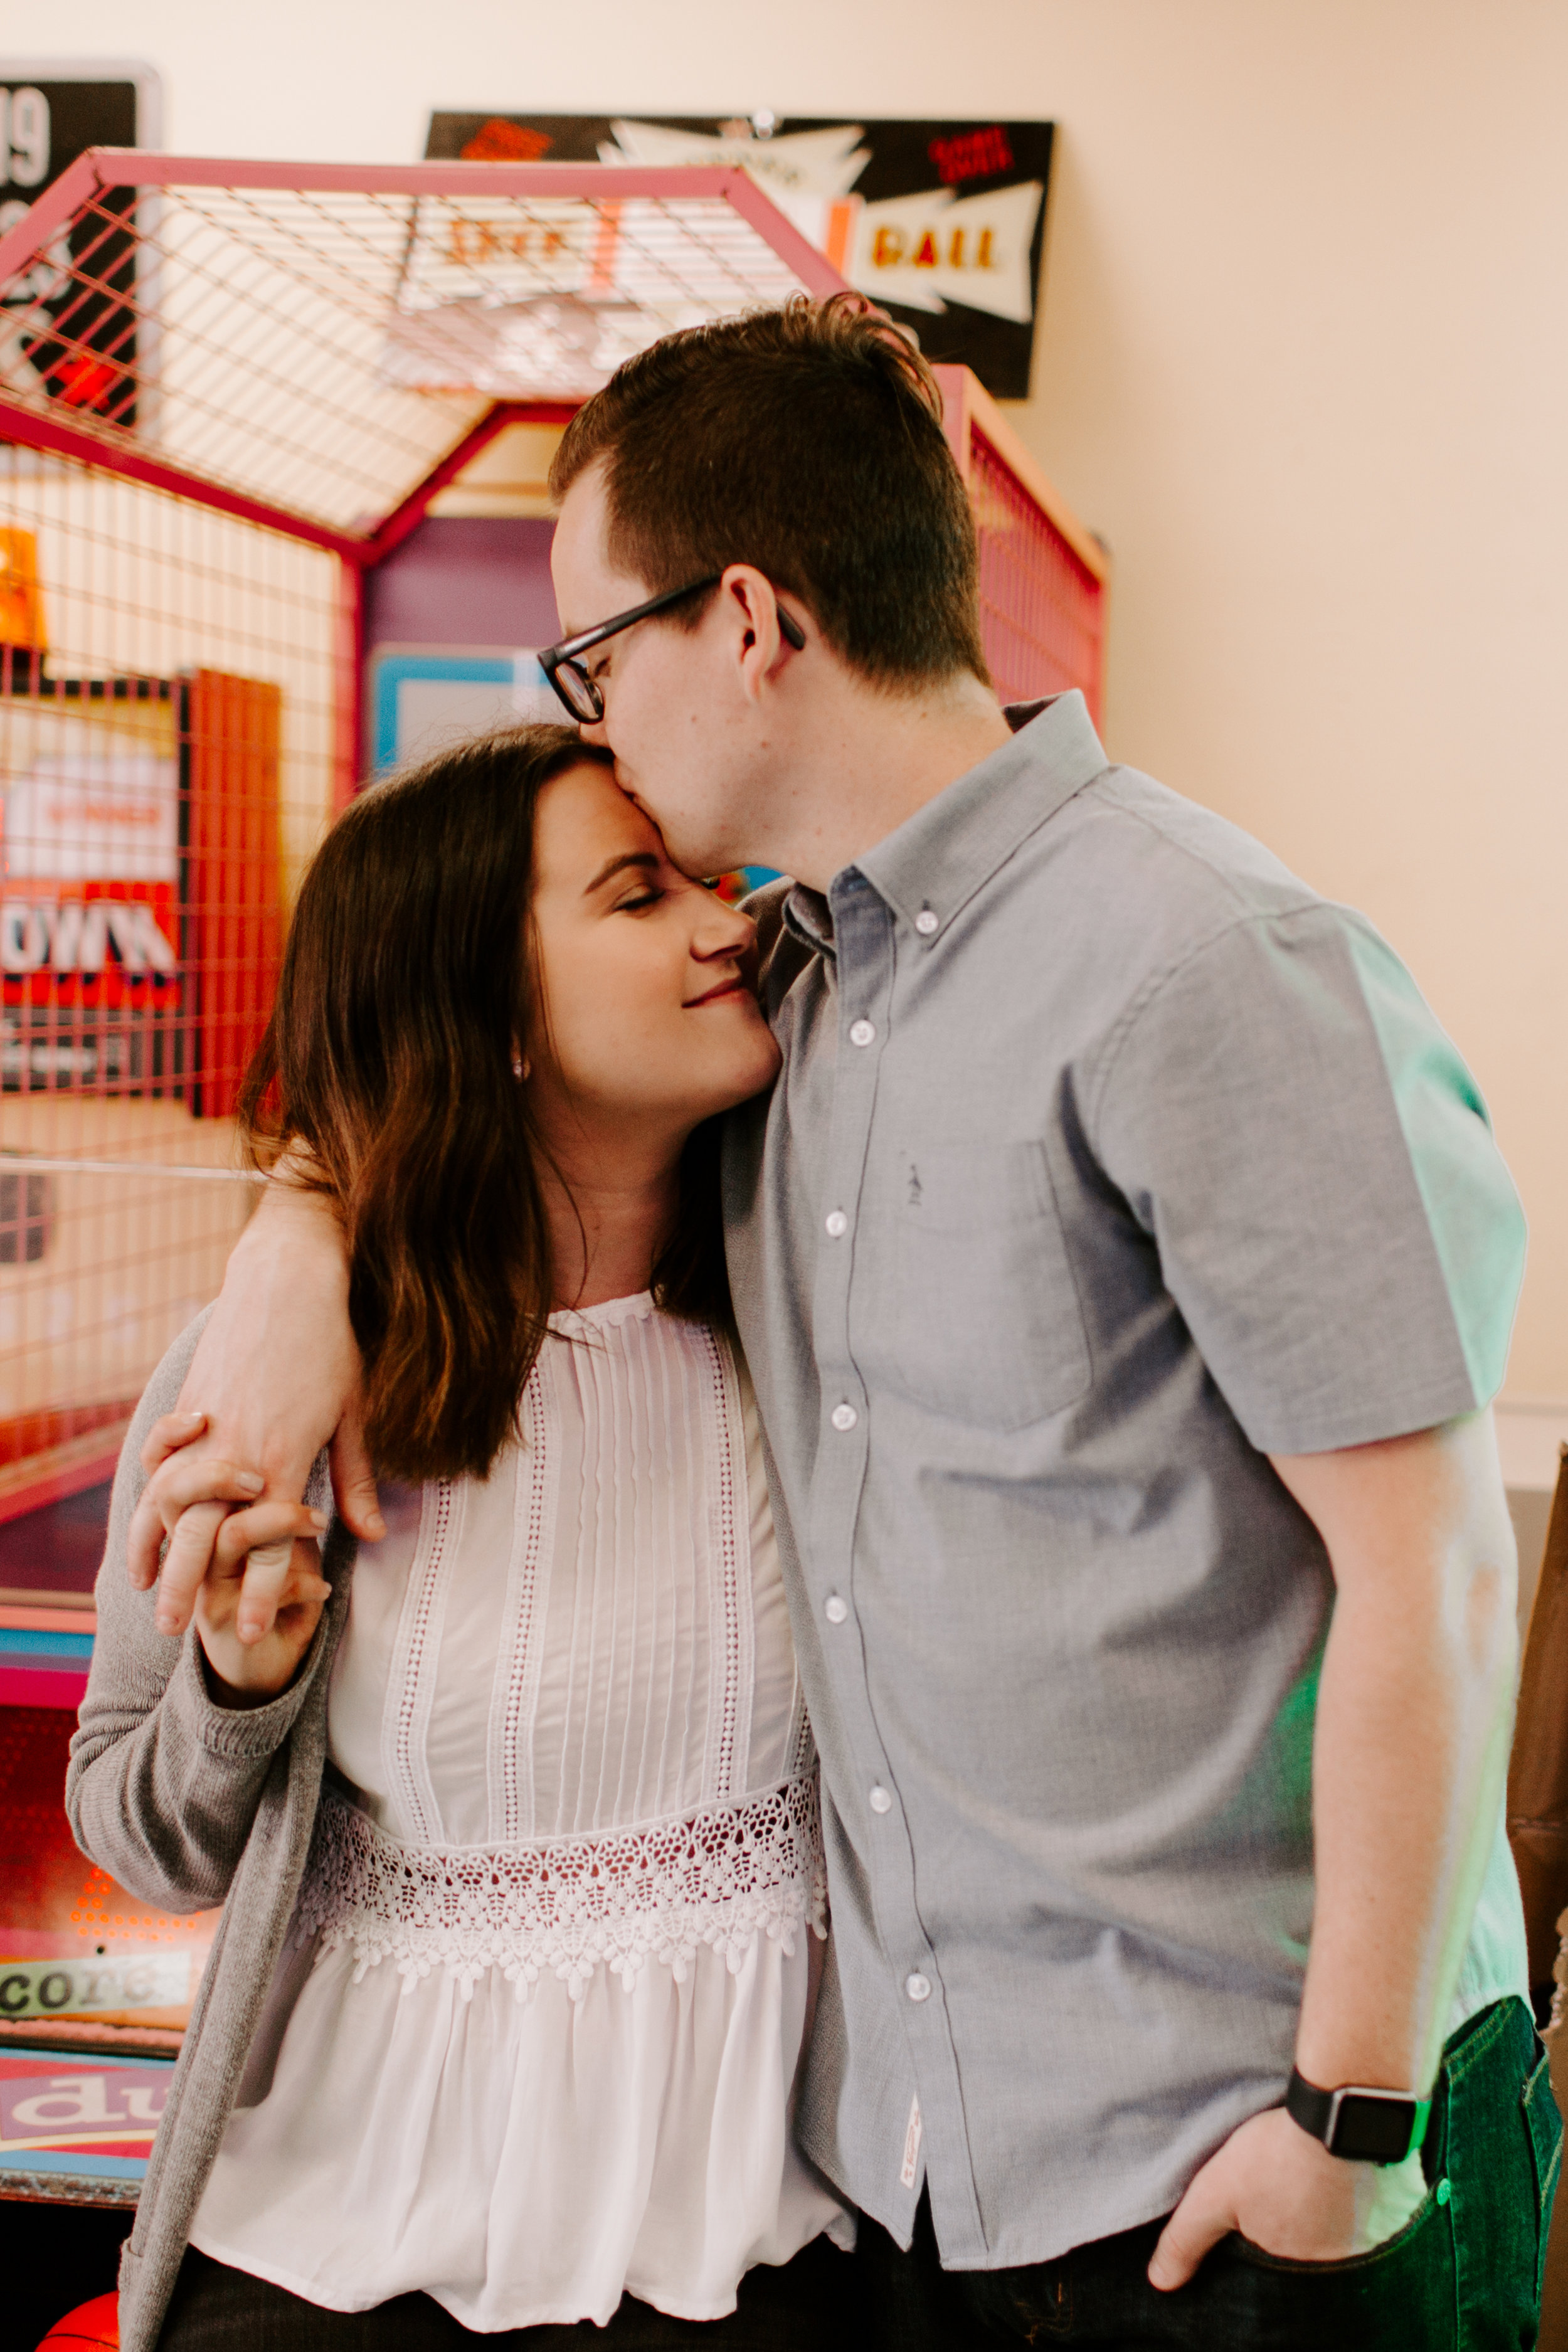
[(925, 251)]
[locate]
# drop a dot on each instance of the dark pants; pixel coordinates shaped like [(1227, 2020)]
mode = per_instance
[(1463, 2275), (809, 2302)]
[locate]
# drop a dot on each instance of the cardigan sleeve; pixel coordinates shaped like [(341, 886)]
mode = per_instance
[(164, 1783)]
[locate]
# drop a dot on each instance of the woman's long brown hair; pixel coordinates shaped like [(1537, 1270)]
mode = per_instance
[(407, 981)]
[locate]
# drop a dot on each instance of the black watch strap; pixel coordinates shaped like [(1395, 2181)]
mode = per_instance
[(1362, 2125)]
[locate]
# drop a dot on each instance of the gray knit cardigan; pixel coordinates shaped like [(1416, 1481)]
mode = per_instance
[(189, 1805)]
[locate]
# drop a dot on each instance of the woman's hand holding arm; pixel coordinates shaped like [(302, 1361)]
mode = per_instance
[(171, 1759), (245, 1669)]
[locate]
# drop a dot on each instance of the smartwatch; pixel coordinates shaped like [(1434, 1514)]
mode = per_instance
[(1365, 2126)]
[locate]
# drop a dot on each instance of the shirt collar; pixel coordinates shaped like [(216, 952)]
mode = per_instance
[(807, 913), (937, 858)]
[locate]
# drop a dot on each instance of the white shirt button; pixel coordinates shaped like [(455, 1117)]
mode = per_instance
[(845, 1416), (838, 1223), (882, 1802), (927, 921), (918, 1987), (862, 1031), (836, 1609)]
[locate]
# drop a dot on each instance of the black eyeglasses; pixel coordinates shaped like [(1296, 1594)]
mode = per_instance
[(572, 682)]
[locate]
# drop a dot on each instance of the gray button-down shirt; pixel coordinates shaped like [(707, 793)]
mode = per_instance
[(1105, 1159)]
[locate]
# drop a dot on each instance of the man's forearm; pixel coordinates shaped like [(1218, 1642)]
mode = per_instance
[(1410, 1753), (1411, 1745), (276, 1362)]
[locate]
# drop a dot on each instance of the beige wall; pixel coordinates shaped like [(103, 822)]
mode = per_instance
[(1304, 364)]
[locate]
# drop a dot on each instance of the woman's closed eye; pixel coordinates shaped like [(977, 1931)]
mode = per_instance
[(636, 902)]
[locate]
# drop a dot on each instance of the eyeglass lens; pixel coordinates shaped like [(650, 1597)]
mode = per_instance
[(581, 693)]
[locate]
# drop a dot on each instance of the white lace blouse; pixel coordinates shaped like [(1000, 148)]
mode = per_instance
[(534, 2041)]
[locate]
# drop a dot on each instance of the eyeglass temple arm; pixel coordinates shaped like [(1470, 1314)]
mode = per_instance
[(552, 656)]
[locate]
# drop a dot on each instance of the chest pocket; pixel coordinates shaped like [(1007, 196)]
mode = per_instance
[(985, 1325)]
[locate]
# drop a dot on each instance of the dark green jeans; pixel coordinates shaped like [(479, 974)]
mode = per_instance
[(1463, 2275)]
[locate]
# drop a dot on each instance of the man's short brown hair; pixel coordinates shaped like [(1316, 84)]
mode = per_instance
[(806, 441)]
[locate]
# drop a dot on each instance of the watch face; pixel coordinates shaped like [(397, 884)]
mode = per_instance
[(1374, 2130)]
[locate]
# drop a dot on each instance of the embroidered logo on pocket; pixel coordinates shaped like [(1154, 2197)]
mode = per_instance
[(973, 1312)]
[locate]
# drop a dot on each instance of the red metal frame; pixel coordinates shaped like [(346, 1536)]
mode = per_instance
[(136, 167), (349, 710), (36, 430), (411, 512)]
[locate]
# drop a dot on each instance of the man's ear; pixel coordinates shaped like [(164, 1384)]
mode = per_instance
[(759, 644)]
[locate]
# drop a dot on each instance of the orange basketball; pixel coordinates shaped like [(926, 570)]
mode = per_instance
[(96, 2324)]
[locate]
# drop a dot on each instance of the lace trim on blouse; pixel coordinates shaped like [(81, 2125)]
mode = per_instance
[(719, 1876)]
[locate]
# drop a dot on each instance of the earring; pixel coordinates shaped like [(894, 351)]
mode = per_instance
[(520, 1068)]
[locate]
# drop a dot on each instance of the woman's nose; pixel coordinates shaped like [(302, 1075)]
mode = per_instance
[(722, 930)]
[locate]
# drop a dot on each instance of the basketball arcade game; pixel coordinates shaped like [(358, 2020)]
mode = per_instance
[(229, 394)]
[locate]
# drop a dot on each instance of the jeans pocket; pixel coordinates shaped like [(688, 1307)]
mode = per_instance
[(1348, 2264), (1545, 2130)]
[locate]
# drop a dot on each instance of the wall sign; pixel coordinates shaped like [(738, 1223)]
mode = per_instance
[(78, 344), (942, 223)]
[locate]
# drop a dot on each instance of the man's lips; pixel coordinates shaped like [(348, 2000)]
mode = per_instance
[(734, 986)]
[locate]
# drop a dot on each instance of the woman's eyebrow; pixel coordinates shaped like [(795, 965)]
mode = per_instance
[(617, 865)]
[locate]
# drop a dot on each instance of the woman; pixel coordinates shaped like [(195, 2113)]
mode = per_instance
[(514, 1814)]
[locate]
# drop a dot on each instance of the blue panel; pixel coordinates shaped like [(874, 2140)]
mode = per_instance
[(16, 1641), (98, 2168), (390, 670)]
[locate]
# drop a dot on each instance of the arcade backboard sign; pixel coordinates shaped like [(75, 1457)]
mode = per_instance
[(79, 2128), (68, 323), (942, 223), (90, 869)]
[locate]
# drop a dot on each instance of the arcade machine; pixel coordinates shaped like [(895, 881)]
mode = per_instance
[(272, 448)]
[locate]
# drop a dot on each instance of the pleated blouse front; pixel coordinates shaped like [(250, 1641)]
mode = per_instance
[(534, 2039)]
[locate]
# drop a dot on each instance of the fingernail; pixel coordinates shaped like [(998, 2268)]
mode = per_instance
[(193, 1416), (249, 1481), (319, 1520), (166, 1623), (377, 1526)]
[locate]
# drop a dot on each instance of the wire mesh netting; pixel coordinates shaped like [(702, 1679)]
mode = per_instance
[(217, 383), (320, 350), (229, 377), (169, 686)]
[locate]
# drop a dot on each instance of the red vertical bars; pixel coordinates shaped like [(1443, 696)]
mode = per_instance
[(1042, 609), (348, 686), (1043, 578), (233, 900)]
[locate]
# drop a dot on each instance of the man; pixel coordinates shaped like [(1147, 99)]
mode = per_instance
[(1125, 1268)]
